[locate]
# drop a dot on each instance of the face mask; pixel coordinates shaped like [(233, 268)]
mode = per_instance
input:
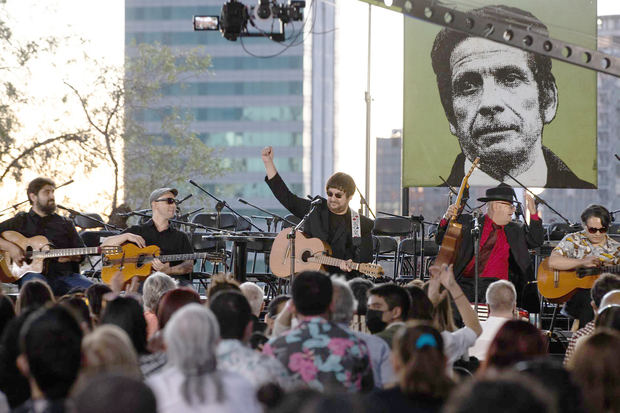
[(374, 321)]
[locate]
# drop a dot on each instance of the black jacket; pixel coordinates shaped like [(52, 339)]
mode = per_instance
[(317, 225), (519, 239)]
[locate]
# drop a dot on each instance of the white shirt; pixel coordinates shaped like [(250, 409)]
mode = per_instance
[(456, 343), (490, 327)]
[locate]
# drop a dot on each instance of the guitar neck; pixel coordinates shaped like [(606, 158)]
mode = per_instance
[(184, 257), (66, 252), (614, 269), (331, 261)]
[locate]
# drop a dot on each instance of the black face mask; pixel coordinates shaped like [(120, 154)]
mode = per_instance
[(374, 321)]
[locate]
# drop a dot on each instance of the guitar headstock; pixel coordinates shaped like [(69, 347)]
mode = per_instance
[(110, 250), (217, 257), (372, 270)]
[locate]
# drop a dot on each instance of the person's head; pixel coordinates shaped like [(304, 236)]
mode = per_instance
[(515, 341), (78, 306), (419, 361), (222, 282), (497, 98), (95, 294), (604, 284), (443, 317), (500, 203), (163, 203), (608, 318), (50, 356), (127, 313), (501, 297), (343, 302), (7, 312), (340, 189), (35, 294), (610, 298), (360, 287), (40, 194), (118, 220), (312, 293), (232, 310), (276, 305), (596, 369), (255, 296), (596, 220), (421, 306), (191, 339), (172, 301), (109, 349), (506, 392), (156, 285), (387, 303), (115, 393)]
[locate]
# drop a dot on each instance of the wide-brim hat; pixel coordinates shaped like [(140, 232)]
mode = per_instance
[(502, 192), (160, 191)]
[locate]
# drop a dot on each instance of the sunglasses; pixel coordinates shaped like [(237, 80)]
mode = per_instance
[(595, 230), (169, 201), (338, 195)]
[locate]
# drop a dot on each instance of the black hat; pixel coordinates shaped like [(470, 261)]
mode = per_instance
[(502, 192)]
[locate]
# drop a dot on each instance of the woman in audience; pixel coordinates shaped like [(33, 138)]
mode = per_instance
[(515, 341), (80, 310), (172, 301), (191, 382), (108, 349), (421, 307), (7, 312), (35, 294), (94, 295), (596, 369), (154, 287), (420, 364), (127, 313)]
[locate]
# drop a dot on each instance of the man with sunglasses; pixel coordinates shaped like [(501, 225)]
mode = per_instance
[(503, 253), (157, 231), (348, 233), (588, 248)]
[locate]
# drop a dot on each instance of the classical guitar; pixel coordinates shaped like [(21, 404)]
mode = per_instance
[(559, 286), (311, 254), (133, 261), (36, 250), (453, 235)]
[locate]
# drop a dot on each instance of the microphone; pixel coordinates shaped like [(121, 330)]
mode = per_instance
[(69, 210), (317, 201), (519, 211), (243, 201), (185, 199)]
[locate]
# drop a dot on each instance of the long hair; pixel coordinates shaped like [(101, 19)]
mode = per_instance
[(420, 350), (191, 337), (35, 294), (515, 341)]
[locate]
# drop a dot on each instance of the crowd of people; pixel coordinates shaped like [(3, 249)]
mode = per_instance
[(330, 345)]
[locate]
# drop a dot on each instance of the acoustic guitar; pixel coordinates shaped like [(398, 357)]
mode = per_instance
[(36, 250), (311, 254), (133, 261), (559, 286)]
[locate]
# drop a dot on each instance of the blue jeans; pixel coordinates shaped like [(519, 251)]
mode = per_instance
[(60, 284)]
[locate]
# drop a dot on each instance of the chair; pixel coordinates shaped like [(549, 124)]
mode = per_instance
[(243, 225), (412, 248), (227, 220), (84, 223), (291, 218), (394, 227), (384, 248), (614, 231), (558, 230)]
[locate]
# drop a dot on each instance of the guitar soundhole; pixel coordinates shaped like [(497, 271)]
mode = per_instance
[(28, 254), (305, 255), (140, 261)]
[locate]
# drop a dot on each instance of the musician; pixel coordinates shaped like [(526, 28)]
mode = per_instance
[(62, 274), (503, 252), (332, 220), (589, 248), (158, 231)]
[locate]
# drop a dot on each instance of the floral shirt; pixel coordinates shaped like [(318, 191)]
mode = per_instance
[(577, 245), (258, 368), (323, 355)]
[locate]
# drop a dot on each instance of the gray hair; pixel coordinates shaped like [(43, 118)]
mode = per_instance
[(191, 337), (154, 287), (344, 302), (501, 296), (255, 296)]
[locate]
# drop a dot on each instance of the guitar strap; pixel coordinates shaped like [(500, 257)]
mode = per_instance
[(356, 228)]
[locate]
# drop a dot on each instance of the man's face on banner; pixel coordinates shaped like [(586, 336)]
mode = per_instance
[(496, 103)]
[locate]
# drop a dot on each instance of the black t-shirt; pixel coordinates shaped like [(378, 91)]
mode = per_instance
[(170, 241), (58, 230), (335, 223)]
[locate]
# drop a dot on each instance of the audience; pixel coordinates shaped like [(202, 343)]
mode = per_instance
[(12, 383), (172, 301), (115, 393), (108, 349), (596, 369), (317, 351), (190, 381), (221, 282), (388, 308), (7, 311), (94, 295), (33, 294), (233, 313), (420, 365), (360, 287), (421, 307), (515, 341), (255, 296), (76, 304), (156, 285), (608, 318), (501, 297), (274, 308)]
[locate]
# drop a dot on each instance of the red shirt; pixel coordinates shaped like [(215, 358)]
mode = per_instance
[(497, 265)]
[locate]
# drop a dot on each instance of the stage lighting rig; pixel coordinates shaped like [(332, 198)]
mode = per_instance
[(235, 16)]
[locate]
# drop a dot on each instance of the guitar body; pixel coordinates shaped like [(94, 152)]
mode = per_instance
[(131, 262), (280, 257), (559, 286), (10, 271), (450, 244)]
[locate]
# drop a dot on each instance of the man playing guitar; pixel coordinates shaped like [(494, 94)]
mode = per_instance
[(62, 273), (332, 220), (591, 247)]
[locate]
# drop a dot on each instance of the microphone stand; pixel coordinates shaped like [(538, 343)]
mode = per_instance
[(365, 203), (189, 224), (475, 234), (73, 213), (15, 206), (292, 235), (220, 205), (275, 217)]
